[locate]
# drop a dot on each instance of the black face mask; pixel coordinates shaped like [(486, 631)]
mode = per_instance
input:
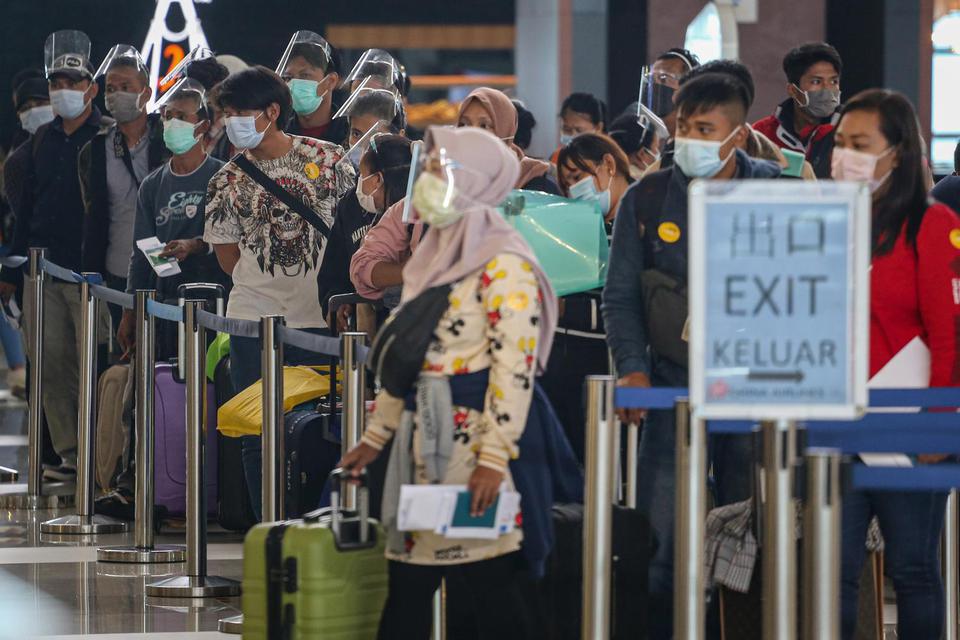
[(659, 99)]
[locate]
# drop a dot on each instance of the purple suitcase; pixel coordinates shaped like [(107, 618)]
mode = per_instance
[(170, 462)]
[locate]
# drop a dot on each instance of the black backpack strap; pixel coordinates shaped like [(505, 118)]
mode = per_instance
[(292, 202), (650, 200)]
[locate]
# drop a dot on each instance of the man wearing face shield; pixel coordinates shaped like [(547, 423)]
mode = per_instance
[(311, 68), (806, 120), (50, 214), (113, 165), (657, 87)]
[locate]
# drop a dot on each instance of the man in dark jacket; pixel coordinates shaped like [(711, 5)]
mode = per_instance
[(311, 68), (650, 232), (112, 166), (805, 121), (49, 211)]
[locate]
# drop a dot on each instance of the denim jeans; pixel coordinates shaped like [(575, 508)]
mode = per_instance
[(731, 458), (245, 371), (911, 522)]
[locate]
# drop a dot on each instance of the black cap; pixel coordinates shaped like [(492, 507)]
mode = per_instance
[(31, 88)]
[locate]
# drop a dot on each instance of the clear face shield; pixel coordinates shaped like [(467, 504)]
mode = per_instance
[(307, 57), (181, 70), (656, 91), (66, 51), (355, 153), (434, 193), (369, 99), (184, 99), (654, 125), (122, 56), (377, 68)]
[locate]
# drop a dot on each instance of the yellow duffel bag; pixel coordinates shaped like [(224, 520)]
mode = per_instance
[(242, 415)]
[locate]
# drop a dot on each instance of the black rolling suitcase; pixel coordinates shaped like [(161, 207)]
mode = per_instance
[(560, 593), (234, 511)]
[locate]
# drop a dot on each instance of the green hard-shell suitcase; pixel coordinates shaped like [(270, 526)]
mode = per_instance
[(321, 577)]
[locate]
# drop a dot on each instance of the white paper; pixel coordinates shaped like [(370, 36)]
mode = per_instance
[(909, 369), (151, 248), (421, 505)]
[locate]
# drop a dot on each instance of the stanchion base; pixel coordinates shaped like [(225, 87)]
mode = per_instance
[(56, 496), (77, 525), (159, 554), (9, 476), (232, 625), (194, 587)]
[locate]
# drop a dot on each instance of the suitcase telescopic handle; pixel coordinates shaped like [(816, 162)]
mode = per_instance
[(339, 477)]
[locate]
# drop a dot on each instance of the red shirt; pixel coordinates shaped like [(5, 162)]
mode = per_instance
[(917, 293)]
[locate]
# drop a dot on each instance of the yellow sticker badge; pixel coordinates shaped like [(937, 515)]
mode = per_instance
[(955, 238), (669, 232), (312, 170)]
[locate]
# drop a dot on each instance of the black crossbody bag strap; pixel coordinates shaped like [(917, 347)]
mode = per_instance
[(293, 203)]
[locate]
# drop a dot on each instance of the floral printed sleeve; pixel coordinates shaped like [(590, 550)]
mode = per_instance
[(511, 300), (222, 225)]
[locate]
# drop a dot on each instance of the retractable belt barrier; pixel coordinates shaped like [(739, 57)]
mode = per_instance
[(907, 421)]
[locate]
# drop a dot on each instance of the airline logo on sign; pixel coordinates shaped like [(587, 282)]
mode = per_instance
[(164, 48)]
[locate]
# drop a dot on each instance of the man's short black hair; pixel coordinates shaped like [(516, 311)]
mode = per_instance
[(956, 157), (731, 68), (689, 58), (712, 90), (801, 58), (127, 63), (255, 88), (207, 72)]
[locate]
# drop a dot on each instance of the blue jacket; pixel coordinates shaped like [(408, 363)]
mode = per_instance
[(546, 472), (623, 312)]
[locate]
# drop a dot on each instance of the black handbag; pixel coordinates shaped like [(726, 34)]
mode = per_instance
[(399, 348)]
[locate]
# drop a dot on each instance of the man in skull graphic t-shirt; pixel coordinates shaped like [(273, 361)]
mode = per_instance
[(280, 252)]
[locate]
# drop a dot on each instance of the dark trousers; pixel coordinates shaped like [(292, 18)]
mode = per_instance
[(492, 586), (911, 522), (245, 369)]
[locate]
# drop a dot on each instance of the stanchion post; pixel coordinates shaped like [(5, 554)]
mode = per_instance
[(196, 584), (689, 603), (272, 440), (143, 550), (354, 385), (821, 546), (85, 522), (951, 571), (779, 551), (633, 448), (601, 458)]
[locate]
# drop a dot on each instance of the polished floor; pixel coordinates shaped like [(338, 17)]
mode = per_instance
[(53, 586)]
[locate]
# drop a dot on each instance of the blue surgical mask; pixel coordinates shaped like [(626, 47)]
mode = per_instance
[(242, 131), (586, 190), (565, 139), (33, 119), (304, 94), (701, 158), (68, 103)]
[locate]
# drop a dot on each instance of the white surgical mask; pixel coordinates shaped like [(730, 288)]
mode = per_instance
[(566, 139), (242, 131), (858, 166), (367, 202), (586, 190), (434, 202), (701, 158), (33, 119), (68, 103)]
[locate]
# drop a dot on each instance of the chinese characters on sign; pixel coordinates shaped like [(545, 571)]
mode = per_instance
[(775, 321)]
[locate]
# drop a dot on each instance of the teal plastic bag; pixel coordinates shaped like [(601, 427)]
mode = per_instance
[(567, 236)]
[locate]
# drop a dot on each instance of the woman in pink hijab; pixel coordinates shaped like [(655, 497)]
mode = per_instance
[(486, 350), (492, 110)]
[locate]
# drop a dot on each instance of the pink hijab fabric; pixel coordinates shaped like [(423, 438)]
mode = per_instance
[(448, 255), (505, 122)]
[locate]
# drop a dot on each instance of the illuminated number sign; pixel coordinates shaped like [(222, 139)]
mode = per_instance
[(164, 48)]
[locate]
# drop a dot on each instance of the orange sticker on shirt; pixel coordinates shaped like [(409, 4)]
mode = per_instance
[(312, 170), (669, 232), (955, 238)]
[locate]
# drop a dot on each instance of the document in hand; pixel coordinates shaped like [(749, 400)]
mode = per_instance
[(445, 509), (152, 248)]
